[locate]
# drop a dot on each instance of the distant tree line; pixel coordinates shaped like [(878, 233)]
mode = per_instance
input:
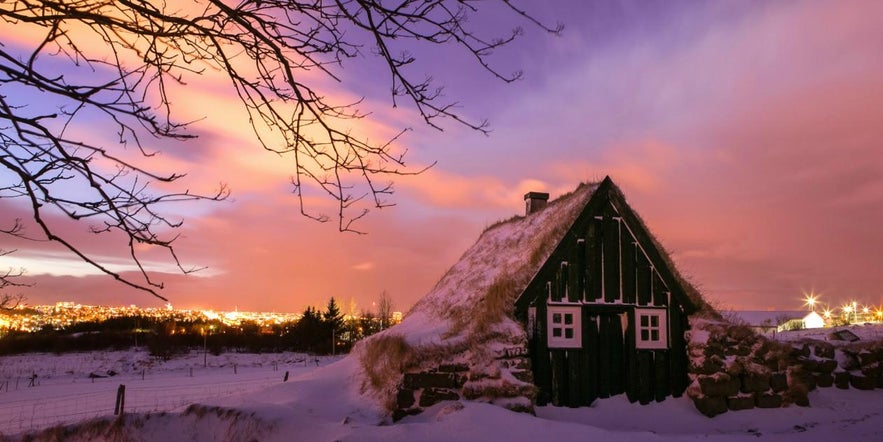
[(166, 337)]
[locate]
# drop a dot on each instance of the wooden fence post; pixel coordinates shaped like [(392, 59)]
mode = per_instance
[(121, 401)]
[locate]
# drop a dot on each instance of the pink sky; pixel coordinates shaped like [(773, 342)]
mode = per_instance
[(747, 135)]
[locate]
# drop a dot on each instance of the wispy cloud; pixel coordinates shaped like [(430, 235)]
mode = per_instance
[(746, 138)]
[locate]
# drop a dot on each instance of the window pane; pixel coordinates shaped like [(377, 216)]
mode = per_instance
[(568, 333), (568, 318), (556, 318), (654, 321), (556, 332), (645, 335), (644, 321), (654, 335)]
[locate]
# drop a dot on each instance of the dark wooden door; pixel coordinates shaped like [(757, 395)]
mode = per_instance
[(598, 370), (610, 355), (608, 363)]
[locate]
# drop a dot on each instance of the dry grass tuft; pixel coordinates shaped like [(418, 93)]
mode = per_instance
[(503, 221), (541, 247), (104, 428), (496, 304), (384, 359), (231, 424)]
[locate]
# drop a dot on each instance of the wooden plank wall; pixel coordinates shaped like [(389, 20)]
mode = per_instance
[(631, 361), (541, 358), (607, 265), (612, 267), (629, 253), (610, 248), (678, 359)]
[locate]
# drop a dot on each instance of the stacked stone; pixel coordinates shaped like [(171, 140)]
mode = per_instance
[(736, 369), (870, 372), (427, 388), (510, 378), (722, 391), (859, 368), (508, 381), (516, 361), (817, 362)]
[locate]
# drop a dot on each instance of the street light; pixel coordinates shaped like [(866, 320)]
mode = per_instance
[(810, 300)]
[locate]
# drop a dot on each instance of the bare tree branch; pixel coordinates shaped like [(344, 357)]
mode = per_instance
[(9, 278), (116, 61)]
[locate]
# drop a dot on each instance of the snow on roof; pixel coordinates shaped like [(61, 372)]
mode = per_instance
[(510, 251), (467, 316)]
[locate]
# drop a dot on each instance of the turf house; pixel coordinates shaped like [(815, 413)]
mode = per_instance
[(571, 302)]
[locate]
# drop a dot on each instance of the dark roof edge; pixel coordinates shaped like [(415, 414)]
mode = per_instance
[(692, 298)]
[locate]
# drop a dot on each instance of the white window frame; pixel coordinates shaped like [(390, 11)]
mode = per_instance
[(564, 326), (655, 326)]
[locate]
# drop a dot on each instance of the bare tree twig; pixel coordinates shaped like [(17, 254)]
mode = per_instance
[(263, 47)]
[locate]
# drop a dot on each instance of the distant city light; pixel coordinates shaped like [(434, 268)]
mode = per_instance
[(63, 314)]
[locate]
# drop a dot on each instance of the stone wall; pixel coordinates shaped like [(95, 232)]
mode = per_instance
[(508, 382), (732, 368), (840, 364)]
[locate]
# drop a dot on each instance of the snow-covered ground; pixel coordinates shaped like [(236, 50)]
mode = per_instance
[(76, 386), (867, 332), (323, 404)]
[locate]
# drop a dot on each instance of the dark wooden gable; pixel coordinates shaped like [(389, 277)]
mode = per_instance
[(607, 230), (608, 267)]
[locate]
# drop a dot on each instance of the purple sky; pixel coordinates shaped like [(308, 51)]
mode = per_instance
[(748, 135)]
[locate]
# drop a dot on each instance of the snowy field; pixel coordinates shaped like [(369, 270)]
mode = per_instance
[(323, 404), (76, 386)]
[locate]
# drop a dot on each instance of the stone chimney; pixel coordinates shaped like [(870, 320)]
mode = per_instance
[(534, 201)]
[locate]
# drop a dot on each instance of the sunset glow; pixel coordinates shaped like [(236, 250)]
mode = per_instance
[(747, 140)]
